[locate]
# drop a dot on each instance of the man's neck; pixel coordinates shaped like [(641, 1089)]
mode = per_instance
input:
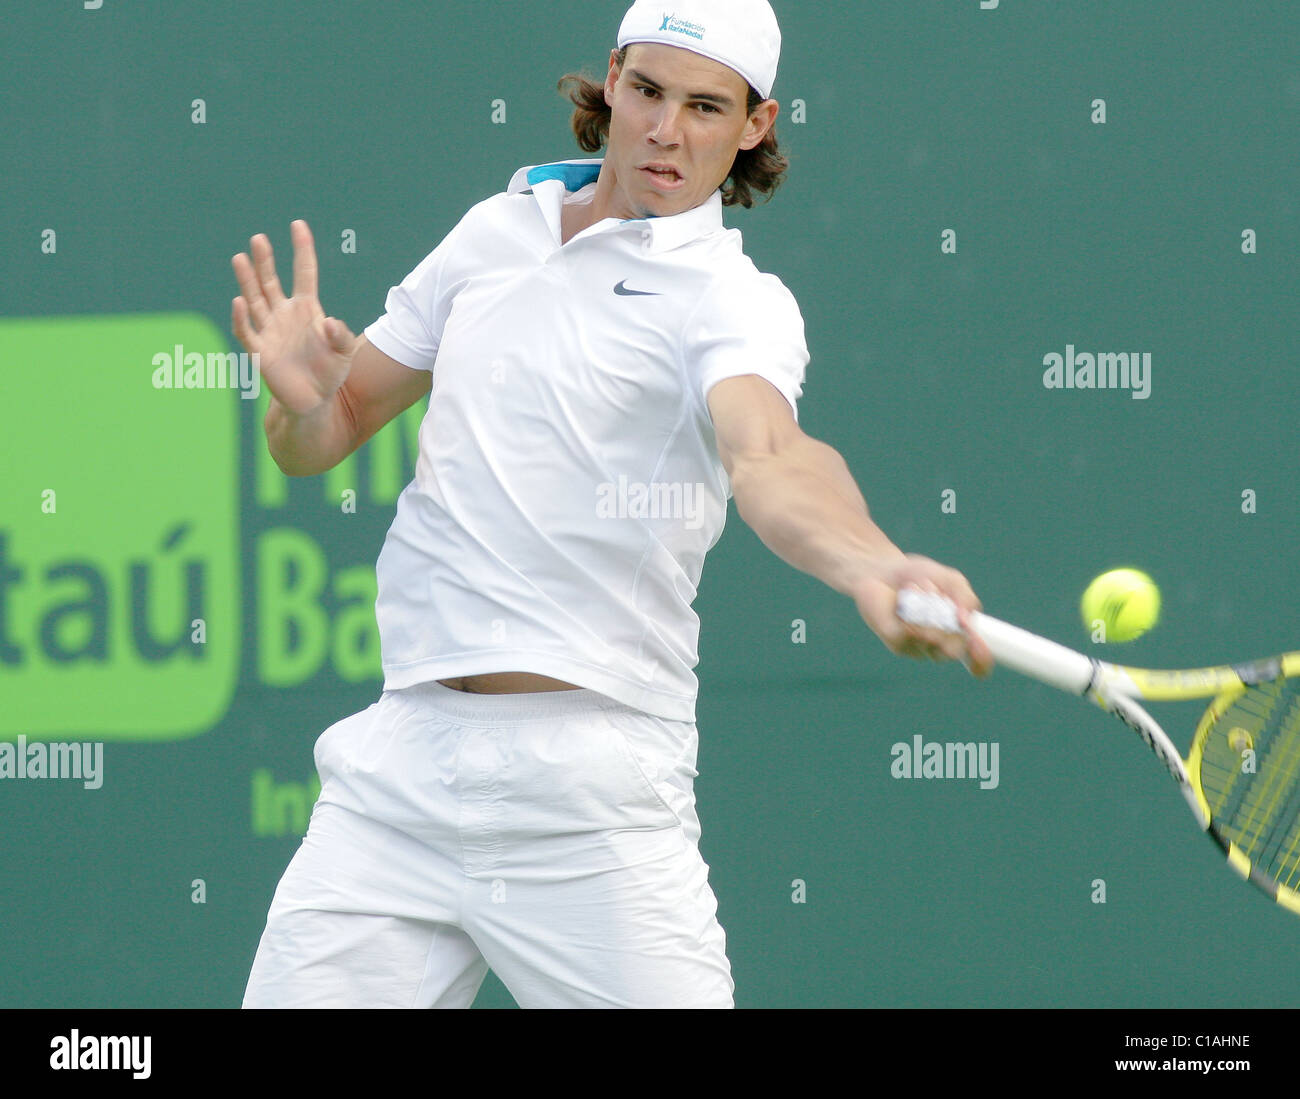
[(574, 218)]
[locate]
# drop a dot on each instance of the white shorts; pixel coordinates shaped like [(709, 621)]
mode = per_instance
[(551, 836)]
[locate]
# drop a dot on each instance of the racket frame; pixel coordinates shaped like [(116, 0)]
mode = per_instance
[(1116, 689)]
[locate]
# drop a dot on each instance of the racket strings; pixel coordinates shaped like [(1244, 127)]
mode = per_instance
[(1225, 779), (1283, 840), (1280, 845), (1278, 814), (1258, 807)]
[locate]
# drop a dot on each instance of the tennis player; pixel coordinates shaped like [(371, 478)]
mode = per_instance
[(605, 367)]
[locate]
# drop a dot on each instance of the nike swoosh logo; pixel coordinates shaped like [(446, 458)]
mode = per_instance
[(622, 291)]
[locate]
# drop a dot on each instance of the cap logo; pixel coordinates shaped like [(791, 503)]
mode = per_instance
[(680, 26)]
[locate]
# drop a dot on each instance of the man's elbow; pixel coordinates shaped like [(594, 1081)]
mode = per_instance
[(295, 467)]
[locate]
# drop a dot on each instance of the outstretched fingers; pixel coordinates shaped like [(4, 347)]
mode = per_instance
[(259, 285), (250, 289), (304, 261), (264, 262), (243, 330)]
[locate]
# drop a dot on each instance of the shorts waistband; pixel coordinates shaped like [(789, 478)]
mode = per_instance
[(467, 706)]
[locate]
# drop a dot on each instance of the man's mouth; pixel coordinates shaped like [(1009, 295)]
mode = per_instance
[(663, 176)]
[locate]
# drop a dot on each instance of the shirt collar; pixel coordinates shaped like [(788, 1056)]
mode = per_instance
[(660, 234)]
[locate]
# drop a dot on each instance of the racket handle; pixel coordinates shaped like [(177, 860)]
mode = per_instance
[(1017, 649)]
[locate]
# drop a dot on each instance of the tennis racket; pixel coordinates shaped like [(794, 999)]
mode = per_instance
[(1242, 775)]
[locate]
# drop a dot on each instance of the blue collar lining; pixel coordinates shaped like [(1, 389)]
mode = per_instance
[(573, 176)]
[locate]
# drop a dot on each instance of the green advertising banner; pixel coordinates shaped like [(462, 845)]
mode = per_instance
[(1045, 257)]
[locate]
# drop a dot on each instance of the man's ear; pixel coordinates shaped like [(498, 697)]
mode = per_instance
[(762, 120), (611, 77)]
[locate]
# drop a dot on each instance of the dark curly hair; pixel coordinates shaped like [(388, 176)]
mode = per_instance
[(759, 170)]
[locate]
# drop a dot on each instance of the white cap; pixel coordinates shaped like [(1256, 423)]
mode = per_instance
[(741, 34)]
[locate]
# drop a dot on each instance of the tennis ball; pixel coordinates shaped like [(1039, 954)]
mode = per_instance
[(1126, 600)]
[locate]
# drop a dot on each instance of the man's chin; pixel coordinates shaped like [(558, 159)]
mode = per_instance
[(663, 206)]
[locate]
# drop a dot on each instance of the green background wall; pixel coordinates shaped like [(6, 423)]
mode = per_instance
[(921, 116)]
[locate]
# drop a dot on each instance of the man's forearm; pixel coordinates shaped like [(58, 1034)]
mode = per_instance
[(807, 509), (304, 445)]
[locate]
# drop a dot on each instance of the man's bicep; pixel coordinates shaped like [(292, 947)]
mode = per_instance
[(758, 439), (752, 419), (379, 388)]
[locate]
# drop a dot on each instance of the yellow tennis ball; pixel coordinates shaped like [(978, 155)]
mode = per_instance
[(1127, 601)]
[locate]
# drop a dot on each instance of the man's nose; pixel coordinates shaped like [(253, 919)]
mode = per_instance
[(667, 129)]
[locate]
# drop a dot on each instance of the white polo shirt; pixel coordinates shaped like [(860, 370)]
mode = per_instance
[(568, 483)]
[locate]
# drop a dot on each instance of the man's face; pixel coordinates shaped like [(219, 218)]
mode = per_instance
[(678, 121)]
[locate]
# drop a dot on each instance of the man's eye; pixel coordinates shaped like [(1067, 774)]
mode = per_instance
[(707, 108), (648, 91)]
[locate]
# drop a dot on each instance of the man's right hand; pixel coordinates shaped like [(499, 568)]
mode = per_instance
[(303, 355), (877, 600)]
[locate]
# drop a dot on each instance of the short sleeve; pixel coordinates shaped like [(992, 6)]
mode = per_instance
[(416, 310), (746, 326)]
